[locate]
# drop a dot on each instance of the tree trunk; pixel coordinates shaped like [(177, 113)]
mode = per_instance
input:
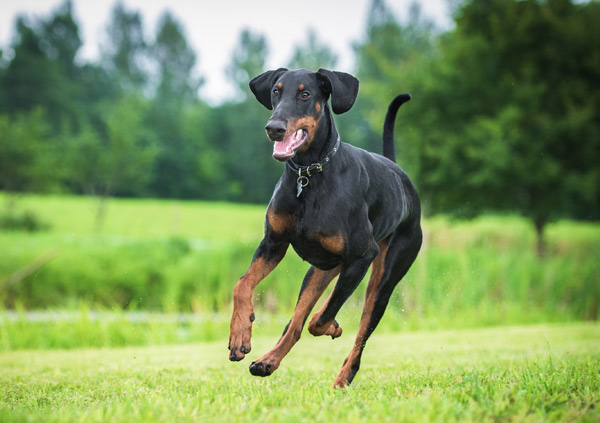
[(101, 213), (540, 224)]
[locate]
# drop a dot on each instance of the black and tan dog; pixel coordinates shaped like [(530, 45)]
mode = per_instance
[(341, 208)]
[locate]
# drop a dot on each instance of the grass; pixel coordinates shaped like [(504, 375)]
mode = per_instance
[(98, 351), (174, 256), (148, 218), (543, 373)]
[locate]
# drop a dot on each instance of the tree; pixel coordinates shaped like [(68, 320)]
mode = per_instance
[(175, 60), (25, 164), (201, 131), (176, 90), (516, 121), (239, 127), (118, 160), (60, 42), (248, 61), (60, 39), (125, 51), (37, 74), (313, 55), (28, 162), (392, 59)]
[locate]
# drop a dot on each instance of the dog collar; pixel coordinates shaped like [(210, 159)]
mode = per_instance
[(304, 172)]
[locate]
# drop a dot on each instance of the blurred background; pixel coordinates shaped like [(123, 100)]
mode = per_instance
[(134, 168)]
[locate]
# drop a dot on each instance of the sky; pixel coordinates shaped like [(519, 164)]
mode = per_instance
[(213, 27)]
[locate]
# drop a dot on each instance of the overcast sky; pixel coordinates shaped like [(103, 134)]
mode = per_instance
[(213, 27)]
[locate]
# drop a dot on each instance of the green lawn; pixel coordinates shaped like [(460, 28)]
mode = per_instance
[(543, 373), (148, 218)]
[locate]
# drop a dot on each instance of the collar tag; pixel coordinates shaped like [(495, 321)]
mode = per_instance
[(303, 180)]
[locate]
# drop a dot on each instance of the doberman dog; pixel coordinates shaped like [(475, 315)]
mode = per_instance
[(341, 208)]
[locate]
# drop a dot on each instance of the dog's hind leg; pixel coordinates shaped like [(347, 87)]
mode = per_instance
[(313, 286), (334, 330), (389, 267), (323, 322)]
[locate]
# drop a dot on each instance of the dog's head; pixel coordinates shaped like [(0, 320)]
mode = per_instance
[(298, 99)]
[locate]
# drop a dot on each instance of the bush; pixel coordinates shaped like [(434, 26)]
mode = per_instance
[(22, 221)]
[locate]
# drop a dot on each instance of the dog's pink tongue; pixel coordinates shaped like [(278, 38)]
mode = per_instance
[(284, 148)]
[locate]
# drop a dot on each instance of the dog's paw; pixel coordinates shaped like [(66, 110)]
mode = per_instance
[(335, 330), (261, 368), (332, 329), (238, 354)]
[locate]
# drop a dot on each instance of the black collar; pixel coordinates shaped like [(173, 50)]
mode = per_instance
[(299, 170), (304, 172)]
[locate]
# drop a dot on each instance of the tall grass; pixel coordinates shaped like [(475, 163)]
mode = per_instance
[(174, 256)]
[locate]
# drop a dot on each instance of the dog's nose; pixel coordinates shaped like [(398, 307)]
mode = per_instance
[(276, 129)]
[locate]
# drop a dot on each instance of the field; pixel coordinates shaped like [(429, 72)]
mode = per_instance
[(130, 324), (511, 374), (182, 257)]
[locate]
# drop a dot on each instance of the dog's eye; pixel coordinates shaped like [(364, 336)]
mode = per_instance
[(305, 95), (276, 92)]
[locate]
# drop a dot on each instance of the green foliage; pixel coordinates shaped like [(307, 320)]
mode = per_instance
[(392, 59), (126, 49), (175, 171), (248, 61), (21, 221), (312, 54), (530, 374), (119, 158), (27, 157), (61, 40), (33, 78), (176, 61), (495, 123), (529, 133)]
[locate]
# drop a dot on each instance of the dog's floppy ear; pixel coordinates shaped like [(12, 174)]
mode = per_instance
[(342, 86), (262, 84)]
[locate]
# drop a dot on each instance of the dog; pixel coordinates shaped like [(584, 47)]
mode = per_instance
[(341, 208)]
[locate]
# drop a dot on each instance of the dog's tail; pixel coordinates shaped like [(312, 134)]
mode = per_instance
[(388, 125)]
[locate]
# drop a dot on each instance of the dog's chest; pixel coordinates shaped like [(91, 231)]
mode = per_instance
[(314, 231), (318, 237), (319, 250)]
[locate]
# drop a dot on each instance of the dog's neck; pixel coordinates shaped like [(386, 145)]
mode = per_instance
[(323, 142)]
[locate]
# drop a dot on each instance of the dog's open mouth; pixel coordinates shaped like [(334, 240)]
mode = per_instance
[(286, 149)]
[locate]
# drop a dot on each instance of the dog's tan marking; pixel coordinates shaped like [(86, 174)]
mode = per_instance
[(307, 122), (279, 223), (310, 124), (301, 87), (332, 243), (279, 85), (318, 107)]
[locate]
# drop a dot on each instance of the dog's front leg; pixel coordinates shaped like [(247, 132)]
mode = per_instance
[(267, 257)]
